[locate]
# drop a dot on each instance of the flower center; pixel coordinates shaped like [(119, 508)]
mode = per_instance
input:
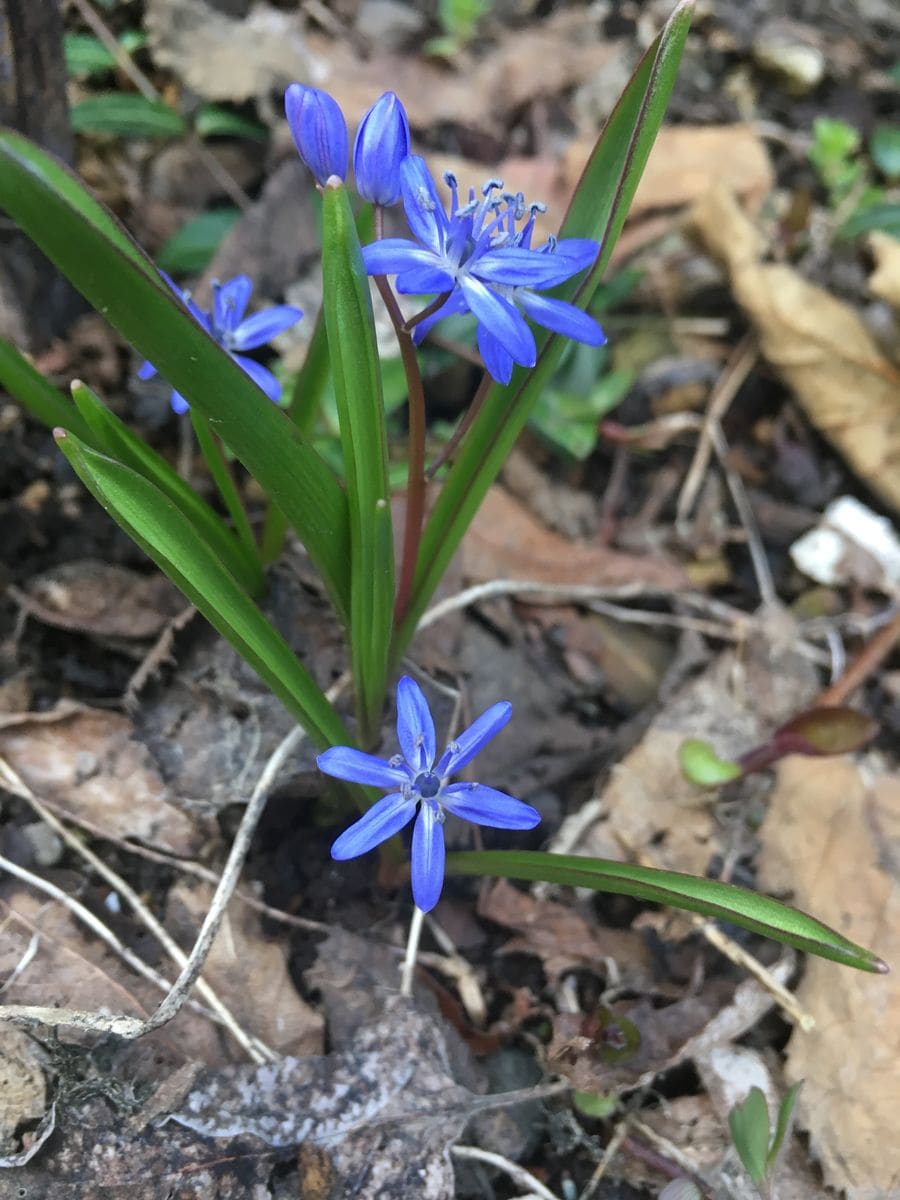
[(427, 784)]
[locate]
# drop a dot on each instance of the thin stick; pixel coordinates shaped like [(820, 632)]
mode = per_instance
[(869, 658), (764, 580), (522, 587), (517, 1173), (14, 783), (739, 365), (609, 1153), (412, 949)]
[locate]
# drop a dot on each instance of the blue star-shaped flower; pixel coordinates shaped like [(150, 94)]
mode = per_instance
[(488, 266), (235, 332), (416, 782)]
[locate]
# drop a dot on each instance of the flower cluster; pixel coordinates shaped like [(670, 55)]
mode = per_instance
[(235, 332), (418, 787), (474, 254)]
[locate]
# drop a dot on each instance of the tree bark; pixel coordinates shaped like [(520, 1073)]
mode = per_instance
[(36, 302)]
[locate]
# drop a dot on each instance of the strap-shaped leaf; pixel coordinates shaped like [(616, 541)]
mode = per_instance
[(162, 530), (36, 394), (598, 211), (723, 901), (356, 374), (112, 437), (89, 246)]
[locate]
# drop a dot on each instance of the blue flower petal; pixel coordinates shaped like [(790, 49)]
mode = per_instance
[(261, 376), (319, 131), (518, 267), (562, 318), (230, 302), (503, 320), (344, 762), (178, 402), (421, 280), (146, 370), (497, 362), (386, 817), (487, 806), (427, 858), (415, 725), (472, 740), (382, 143), (263, 326), (390, 256), (423, 207)]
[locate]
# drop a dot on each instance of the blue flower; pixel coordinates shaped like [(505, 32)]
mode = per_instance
[(382, 143), (319, 131), (416, 782), (235, 332), (488, 267)]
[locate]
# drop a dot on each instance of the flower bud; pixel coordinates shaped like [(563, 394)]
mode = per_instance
[(319, 131), (382, 143)]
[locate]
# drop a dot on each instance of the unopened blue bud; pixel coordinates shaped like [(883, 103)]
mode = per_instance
[(382, 143), (319, 131)]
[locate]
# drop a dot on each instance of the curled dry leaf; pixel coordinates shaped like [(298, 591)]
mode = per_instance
[(90, 596), (90, 763), (831, 844), (824, 352)]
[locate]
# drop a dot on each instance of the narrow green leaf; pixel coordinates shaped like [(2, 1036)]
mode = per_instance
[(162, 530), (749, 1124), (92, 249), (723, 901), (212, 120), (350, 327), (127, 114), (885, 217), (86, 55), (36, 394), (190, 249), (783, 1125), (113, 438), (598, 210)]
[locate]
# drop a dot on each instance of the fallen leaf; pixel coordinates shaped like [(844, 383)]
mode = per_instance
[(23, 1084), (825, 353), (506, 542), (885, 279), (562, 938), (96, 597), (831, 844), (248, 972), (89, 762), (646, 805), (686, 162)]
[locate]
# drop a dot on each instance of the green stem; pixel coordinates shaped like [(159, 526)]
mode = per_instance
[(211, 449)]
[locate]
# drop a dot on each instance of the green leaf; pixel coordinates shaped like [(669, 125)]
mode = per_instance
[(876, 216), (212, 120), (86, 55), (162, 530), (112, 437), (723, 901), (190, 249), (94, 252), (783, 1124), (599, 1108), (356, 375), (701, 765), (127, 114), (598, 210), (36, 394), (749, 1123), (884, 146)]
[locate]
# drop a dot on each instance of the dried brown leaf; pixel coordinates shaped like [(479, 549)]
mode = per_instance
[(99, 598), (831, 843), (23, 1084), (89, 762), (885, 279), (506, 542), (848, 389), (249, 973)]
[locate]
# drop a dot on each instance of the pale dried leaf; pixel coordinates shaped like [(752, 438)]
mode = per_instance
[(23, 1084), (506, 542), (824, 352), (885, 279), (831, 843), (89, 762), (90, 596), (248, 972)]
